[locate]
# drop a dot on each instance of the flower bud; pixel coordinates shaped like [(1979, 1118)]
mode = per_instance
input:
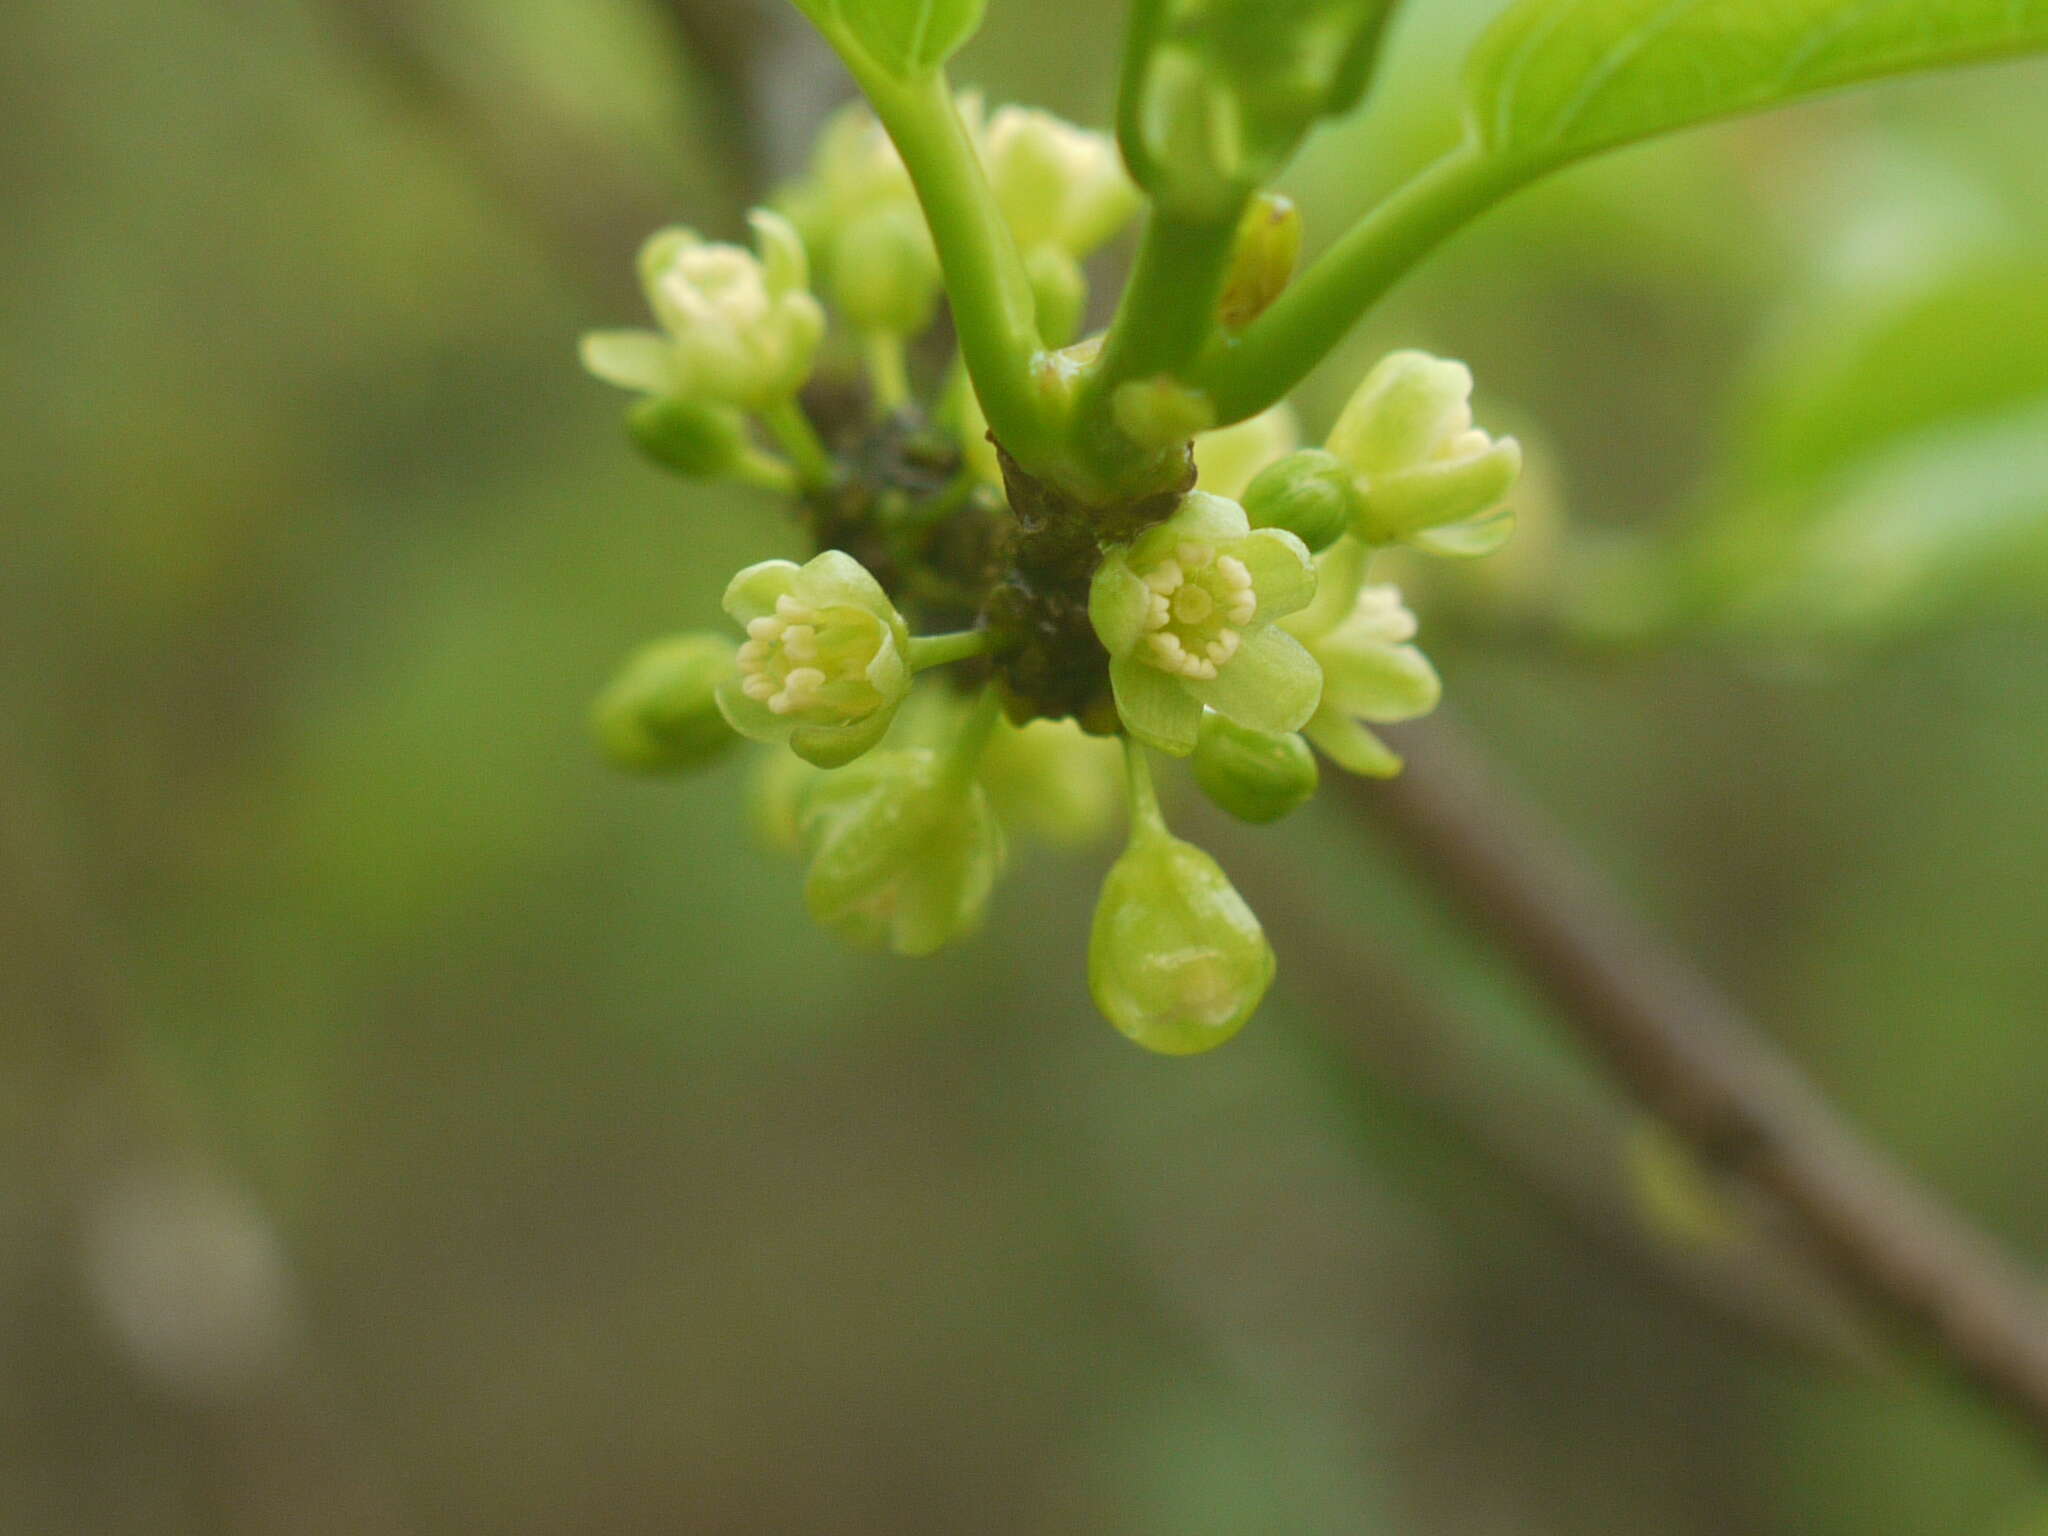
[(1419, 466), (1263, 260), (1308, 493), (1229, 457), (885, 274), (901, 857), (1191, 140), (660, 714), (1176, 960), (1161, 412), (1059, 289), (1052, 780), (1256, 776), (688, 436), (1057, 185)]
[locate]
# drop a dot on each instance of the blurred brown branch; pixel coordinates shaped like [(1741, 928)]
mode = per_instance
[(1694, 1061)]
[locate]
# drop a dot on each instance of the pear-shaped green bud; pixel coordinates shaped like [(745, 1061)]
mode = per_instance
[(1187, 613), (885, 274), (1176, 960), (1308, 493), (1263, 260), (691, 437), (660, 714), (825, 664), (902, 852), (1423, 473), (1256, 776)]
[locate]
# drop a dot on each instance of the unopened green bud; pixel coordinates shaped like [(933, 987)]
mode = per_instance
[(885, 274), (691, 437), (1052, 780), (1057, 185), (1229, 457), (1257, 776), (1060, 290), (1176, 960), (902, 856), (1308, 493), (660, 714), (1419, 466), (1263, 260)]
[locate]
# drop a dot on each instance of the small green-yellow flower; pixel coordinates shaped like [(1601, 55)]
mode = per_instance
[(1187, 612), (1424, 474), (738, 329), (1372, 674), (824, 666)]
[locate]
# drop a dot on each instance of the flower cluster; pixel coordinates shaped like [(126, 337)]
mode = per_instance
[(975, 644)]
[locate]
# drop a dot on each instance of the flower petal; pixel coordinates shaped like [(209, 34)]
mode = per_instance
[(1271, 684), (1156, 708), (1200, 518), (834, 746), (1443, 491), (641, 360), (835, 577), (1117, 604), (1283, 572), (1351, 746), (752, 594), (1464, 541), (750, 717), (1375, 681)]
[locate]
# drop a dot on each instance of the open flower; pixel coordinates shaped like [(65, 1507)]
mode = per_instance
[(1424, 474), (738, 329), (824, 666), (1360, 636), (1187, 614)]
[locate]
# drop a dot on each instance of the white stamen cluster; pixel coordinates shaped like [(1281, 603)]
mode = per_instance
[(783, 664), (1381, 614), (1200, 602)]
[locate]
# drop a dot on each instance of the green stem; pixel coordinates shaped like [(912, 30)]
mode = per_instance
[(1168, 310), (800, 440), (887, 371), (1257, 370), (963, 757), (1147, 820), (927, 651), (991, 301)]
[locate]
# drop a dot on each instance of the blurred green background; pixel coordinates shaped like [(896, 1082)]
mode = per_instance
[(407, 1126)]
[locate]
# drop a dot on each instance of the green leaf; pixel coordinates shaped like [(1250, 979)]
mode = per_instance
[(906, 39), (1554, 80)]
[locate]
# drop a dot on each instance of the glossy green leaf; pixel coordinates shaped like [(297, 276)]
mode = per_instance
[(1554, 80), (906, 39)]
